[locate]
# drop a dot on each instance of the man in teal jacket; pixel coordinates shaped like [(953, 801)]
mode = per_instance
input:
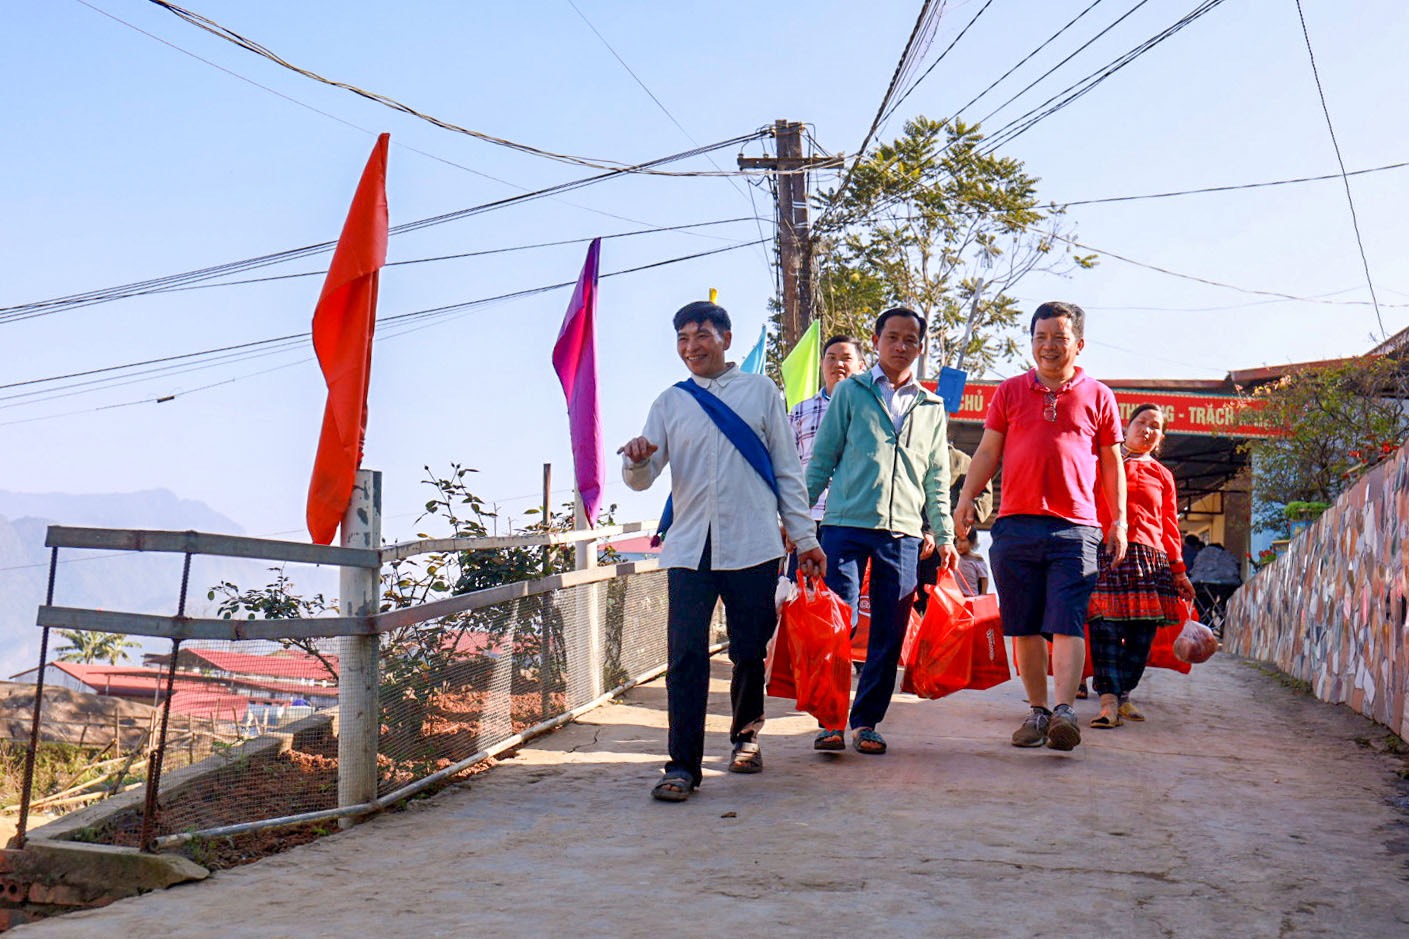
[(883, 448)]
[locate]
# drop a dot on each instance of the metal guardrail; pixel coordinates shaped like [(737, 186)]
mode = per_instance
[(196, 542), (367, 562)]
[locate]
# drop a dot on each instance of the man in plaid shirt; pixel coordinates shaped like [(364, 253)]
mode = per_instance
[(841, 358)]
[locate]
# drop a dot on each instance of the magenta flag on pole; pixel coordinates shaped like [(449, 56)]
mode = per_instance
[(575, 361)]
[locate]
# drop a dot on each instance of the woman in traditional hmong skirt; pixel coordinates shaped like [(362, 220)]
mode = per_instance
[(1134, 598)]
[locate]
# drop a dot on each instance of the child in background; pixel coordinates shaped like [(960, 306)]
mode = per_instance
[(973, 569)]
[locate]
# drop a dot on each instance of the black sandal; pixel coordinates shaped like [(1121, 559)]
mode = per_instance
[(673, 787)]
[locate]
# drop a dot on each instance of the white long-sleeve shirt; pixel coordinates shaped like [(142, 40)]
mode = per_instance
[(717, 494)]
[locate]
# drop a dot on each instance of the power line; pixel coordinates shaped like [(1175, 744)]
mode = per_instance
[(1079, 49), (103, 295), (1234, 188), (249, 45), (446, 257), (1032, 117), (929, 26), (279, 94), (1345, 178), (909, 91), (1022, 124), (358, 127), (1025, 59), (921, 23), (632, 72), (1214, 283), (388, 327), (666, 111)]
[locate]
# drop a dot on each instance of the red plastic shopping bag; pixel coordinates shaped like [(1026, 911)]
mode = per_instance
[(1162, 650), (990, 655), (816, 627), (779, 666), (937, 655)]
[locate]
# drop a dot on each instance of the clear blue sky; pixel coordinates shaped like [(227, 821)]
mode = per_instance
[(128, 159)]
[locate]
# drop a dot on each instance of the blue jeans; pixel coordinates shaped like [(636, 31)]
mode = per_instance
[(892, 593), (1044, 569)]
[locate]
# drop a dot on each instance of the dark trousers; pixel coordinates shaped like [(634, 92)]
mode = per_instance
[(892, 593), (1119, 652), (750, 618)]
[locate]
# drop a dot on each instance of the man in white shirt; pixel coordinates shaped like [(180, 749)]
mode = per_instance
[(724, 542)]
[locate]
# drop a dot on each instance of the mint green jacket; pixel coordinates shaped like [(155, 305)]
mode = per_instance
[(882, 478)]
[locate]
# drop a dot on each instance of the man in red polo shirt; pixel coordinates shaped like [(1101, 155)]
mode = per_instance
[(1057, 433)]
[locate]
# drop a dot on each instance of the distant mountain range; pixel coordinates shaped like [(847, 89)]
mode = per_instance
[(128, 581)]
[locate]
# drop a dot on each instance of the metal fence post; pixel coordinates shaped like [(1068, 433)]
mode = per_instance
[(585, 556), (359, 719)]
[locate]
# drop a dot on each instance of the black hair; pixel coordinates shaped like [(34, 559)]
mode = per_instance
[(1141, 409), (972, 537), (1192, 539), (1055, 308), (901, 311), (702, 311), (840, 338)]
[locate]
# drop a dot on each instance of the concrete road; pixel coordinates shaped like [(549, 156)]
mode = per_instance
[(1240, 809)]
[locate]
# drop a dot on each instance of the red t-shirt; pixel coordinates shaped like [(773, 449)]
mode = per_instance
[(1151, 510), (1049, 466)]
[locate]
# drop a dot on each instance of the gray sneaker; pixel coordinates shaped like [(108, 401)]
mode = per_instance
[(1063, 732), (1033, 732)]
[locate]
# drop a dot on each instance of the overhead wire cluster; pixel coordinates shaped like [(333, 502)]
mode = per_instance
[(167, 282), (251, 45), (43, 389), (905, 80), (920, 35), (1034, 116), (1345, 180), (83, 382), (1075, 90)]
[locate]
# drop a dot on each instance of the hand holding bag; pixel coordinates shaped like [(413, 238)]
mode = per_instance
[(1162, 649), (1195, 643), (817, 629)]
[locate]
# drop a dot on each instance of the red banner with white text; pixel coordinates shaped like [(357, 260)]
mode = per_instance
[(1210, 415)]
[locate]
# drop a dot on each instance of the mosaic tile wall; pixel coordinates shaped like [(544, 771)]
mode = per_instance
[(1332, 609)]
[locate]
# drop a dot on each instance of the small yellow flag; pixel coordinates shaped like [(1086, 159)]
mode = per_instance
[(713, 295), (802, 368)]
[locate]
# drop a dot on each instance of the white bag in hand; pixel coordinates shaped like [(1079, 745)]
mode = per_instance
[(1196, 643)]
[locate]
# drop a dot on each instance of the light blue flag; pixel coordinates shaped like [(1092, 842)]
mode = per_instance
[(753, 362)]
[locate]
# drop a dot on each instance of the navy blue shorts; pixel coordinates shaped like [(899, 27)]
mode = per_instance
[(1044, 569)]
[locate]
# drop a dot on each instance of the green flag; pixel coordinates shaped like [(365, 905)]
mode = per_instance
[(803, 366)]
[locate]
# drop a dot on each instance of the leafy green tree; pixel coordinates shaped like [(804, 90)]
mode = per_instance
[(276, 600), (1341, 420), (933, 222), (89, 647)]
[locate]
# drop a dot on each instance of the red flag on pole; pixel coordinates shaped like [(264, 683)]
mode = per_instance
[(575, 361), (342, 337)]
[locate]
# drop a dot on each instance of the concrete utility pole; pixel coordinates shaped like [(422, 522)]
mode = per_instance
[(794, 237)]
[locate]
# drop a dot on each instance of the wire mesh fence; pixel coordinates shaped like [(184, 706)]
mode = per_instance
[(246, 732)]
